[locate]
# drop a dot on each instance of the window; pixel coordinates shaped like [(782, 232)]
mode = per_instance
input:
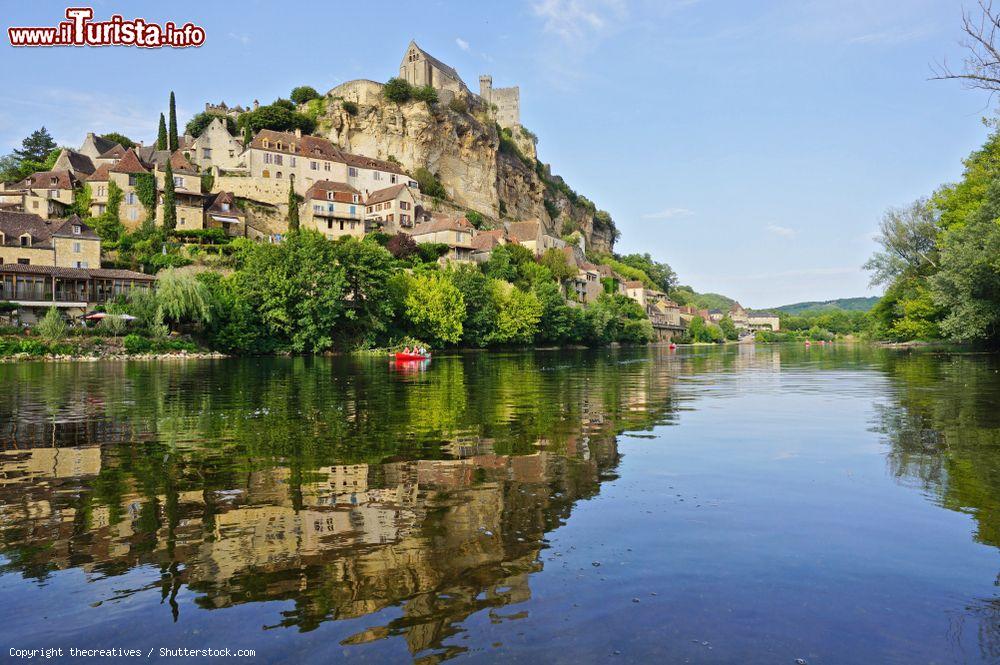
[(102, 190), (353, 172), (377, 175), (404, 205), (278, 175), (329, 196), (329, 224), (206, 153), (133, 179), (77, 229), (178, 181), (24, 262), (354, 198), (131, 198), (317, 208), (291, 161), (34, 205), (53, 193), (392, 178), (265, 173), (268, 158), (133, 214), (76, 248), (403, 218), (266, 143), (326, 166), (354, 210), (277, 159), (25, 240), (224, 206), (82, 264), (53, 181), (314, 166)]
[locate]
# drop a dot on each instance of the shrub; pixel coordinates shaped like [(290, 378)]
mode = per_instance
[(426, 94), (349, 106), (458, 105), (134, 343), (398, 90), (52, 327), (474, 218), (429, 183), (551, 208)]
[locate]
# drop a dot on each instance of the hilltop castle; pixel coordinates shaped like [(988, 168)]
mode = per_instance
[(420, 68)]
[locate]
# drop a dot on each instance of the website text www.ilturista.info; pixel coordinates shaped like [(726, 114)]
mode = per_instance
[(118, 652)]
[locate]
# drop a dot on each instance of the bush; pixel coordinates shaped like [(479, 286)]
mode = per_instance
[(398, 90), (303, 94), (426, 94), (474, 218), (52, 327), (134, 343), (31, 347), (458, 105), (429, 183), (350, 107)]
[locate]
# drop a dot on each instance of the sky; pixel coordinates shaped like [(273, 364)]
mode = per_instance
[(753, 146)]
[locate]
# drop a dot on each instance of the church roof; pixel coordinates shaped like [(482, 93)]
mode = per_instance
[(447, 69)]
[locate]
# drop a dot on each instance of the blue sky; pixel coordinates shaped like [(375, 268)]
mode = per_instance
[(751, 145)]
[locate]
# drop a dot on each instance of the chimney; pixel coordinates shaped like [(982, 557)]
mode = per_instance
[(298, 133)]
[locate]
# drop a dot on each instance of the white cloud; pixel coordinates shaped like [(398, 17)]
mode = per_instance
[(669, 213), (573, 20), (782, 231), (462, 44)]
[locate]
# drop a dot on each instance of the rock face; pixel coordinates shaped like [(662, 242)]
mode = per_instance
[(479, 168)]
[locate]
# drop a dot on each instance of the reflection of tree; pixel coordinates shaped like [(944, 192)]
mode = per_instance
[(944, 431), (330, 483)]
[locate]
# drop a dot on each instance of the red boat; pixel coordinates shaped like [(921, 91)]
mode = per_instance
[(411, 356)]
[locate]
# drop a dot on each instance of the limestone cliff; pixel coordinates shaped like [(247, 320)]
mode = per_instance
[(480, 168)]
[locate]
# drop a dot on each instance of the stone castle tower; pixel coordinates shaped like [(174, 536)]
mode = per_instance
[(506, 100)]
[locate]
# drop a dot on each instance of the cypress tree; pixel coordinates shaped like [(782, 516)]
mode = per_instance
[(174, 144), (169, 203), (293, 206), (161, 136)]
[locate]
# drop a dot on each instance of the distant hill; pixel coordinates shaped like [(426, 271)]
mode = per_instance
[(685, 295), (845, 304)]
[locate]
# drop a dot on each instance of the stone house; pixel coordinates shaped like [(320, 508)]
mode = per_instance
[(222, 211), (763, 321), (531, 234), (29, 239), (112, 156), (189, 201), (77, 163), (335, 209), (125, 173), (47, 194), (215, 147), (484, 242), (392, 208), (94, 146), (98, 183), (452, 230)]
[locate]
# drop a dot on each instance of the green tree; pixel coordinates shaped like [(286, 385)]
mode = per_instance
[(198, 123), (908, 237), (161, 134), (303, 94), (518, 314), (120, 139), (169, 200), (728, 328), (480, 305), (286, 295), (398, 90), (174, 143), (425, 93), (182, 298), (276, 117), (293, 206), (558, 264), (436, 309), (661, 274), (35, 147), (52, 327), (559, 323), (367, 268), (429, 183), (82, 198)]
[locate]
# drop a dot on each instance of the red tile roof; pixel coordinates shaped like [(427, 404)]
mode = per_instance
[(129, 163), (387, 194), (319, 191)]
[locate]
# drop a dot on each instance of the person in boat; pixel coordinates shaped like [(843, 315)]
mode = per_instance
[(406, 351)]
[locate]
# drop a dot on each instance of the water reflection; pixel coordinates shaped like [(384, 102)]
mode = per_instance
[(346, 490)]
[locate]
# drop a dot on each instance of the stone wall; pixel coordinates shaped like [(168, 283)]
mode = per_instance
[(271, 191)]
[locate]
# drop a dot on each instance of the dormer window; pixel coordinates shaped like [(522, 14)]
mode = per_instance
[(26, 240), (329, 196), (354, 198), (53, 181), (225, 207), (266, 143), (77, 230), (277, 145)]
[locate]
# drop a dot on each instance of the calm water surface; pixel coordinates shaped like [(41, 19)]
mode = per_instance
[(738, 505)]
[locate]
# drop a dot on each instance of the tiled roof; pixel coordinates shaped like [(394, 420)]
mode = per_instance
[(387, 194), (66, 230), (129, 163), (320, 188), (15, 224), (102, 144), (116, 152), (485, 242), (49, 180), (180, 164), (213, 204), (150, 156), (77, 161), (633, 284), (447, 69), (77, 273), (371, 163), (305, 145), (101, 174), (442, 223), (525, 231)]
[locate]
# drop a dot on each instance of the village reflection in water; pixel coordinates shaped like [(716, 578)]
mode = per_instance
[(345, 489)]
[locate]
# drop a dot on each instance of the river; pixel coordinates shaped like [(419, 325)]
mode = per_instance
[(838, 504)]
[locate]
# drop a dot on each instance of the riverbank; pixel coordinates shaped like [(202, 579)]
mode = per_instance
[(17, 348)]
